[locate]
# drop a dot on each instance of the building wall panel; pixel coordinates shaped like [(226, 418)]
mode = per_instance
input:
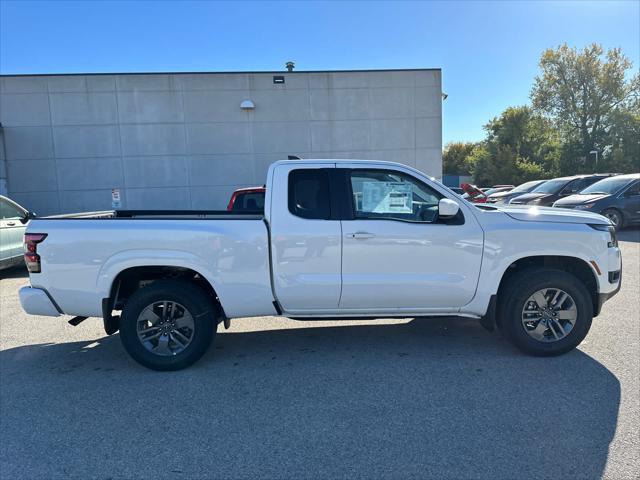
[(173, 140)]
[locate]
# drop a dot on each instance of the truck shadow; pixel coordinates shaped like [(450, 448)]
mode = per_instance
[(427, 398), (14, 272)]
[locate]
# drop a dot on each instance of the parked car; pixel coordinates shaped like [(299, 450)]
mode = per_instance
[(250, 199), (494, 190), (12, 231), (338, 239), (547, 193), (472, 193), (617, 198), (505, 196), (478, 195)]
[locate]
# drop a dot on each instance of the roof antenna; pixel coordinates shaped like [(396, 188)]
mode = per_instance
[(290, 66), (293, 157)]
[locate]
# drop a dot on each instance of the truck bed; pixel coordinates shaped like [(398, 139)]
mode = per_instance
[(81, 258)]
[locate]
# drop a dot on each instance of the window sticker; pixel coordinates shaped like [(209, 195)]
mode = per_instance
[(387, 197)]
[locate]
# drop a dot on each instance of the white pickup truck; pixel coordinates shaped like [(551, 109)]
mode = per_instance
[(338, 239)]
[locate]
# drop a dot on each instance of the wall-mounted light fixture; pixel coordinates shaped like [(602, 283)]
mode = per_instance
[(247, 105)]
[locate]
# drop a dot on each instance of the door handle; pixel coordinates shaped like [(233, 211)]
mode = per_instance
[(11, 224), (360, 235)]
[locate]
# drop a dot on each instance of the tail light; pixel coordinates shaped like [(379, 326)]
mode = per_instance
[(31, 257)]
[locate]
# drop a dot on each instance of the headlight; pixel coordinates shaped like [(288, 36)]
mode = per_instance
[(586, 206), (613, 241)]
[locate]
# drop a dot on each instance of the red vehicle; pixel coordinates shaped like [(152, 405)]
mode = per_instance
[(473, 193), (250, 199), (477, 195)]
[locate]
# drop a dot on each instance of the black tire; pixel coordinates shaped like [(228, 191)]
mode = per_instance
[(523, 285), (195, 301), (615, 216)]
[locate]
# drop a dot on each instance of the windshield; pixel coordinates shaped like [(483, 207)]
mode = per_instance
[(525, 187), (552, 186), (608, 186)]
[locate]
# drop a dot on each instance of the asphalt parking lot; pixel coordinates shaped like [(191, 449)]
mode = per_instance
[(276, 398)]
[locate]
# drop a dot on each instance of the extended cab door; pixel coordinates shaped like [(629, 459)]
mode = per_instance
[(305, 238), (397, 255)]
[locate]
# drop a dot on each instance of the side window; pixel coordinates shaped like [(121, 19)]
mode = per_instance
[(633, 190), (380, 194), (309, 194), (8, 211), (574, 187)]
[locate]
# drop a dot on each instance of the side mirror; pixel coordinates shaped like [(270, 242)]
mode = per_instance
[(447, 208), (27, 216)]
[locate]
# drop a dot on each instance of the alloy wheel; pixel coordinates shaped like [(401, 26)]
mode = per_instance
[(165, 328), (549, 315), (614, 217)]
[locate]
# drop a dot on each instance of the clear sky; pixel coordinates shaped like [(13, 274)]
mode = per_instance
[(488, 51)]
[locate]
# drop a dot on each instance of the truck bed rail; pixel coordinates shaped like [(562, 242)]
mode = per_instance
[(159, 214)]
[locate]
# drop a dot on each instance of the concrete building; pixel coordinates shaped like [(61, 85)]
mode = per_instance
[(187, 140)]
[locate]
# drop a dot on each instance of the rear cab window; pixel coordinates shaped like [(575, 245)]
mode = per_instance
[(309, 194)]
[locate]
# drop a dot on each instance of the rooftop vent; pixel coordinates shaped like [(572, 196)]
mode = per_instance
[(290, 66)]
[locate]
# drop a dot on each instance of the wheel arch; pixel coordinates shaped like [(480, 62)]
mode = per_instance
[(130, 278), (576, 266)]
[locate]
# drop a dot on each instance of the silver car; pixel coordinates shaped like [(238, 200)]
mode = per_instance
[(11, 233)]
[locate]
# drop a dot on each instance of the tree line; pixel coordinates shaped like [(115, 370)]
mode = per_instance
[(584, 117)]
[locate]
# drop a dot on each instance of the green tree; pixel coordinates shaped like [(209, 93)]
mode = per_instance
[(481, 165), (623, 152), (583, 92), (454, 157), (531, 137), (520, 146)]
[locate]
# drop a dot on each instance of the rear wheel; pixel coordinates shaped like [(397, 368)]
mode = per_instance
[(545, 311), (615, 216), (168, 325)]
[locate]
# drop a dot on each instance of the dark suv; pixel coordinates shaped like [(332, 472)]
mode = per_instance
[(617, 198), (547, 193)]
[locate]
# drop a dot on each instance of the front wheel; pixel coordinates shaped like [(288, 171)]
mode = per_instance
[(615, 216), (168, 325), (546, 312)]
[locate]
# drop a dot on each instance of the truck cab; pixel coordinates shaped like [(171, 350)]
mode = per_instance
[(363, 238)]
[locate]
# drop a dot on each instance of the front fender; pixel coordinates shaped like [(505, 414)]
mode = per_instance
[(507, 241)]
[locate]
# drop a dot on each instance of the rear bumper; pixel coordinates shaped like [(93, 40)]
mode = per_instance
[(36, 301)]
